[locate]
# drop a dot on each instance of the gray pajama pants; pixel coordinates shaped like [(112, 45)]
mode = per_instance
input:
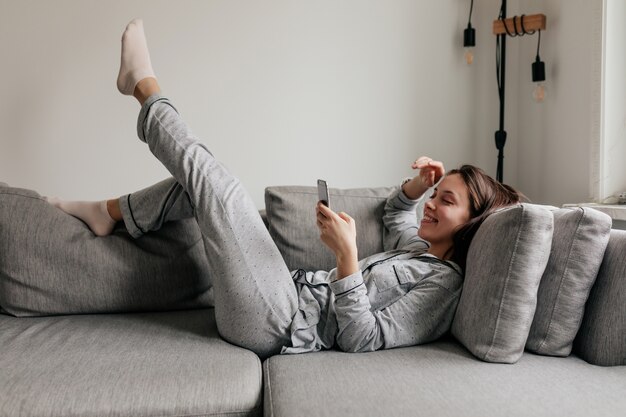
[(255, 296)]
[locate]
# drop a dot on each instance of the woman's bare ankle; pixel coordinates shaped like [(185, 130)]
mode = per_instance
[(146, 88), (113, 208)]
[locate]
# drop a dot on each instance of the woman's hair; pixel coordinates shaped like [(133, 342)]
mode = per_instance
[(485, 196)]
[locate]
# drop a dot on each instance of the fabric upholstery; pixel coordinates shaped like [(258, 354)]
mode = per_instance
[(504, 266), (51, 263), (578, 244), (601, 339), (142, 364), (291, 221), (438, 379)]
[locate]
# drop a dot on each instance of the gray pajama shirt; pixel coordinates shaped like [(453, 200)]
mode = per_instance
[(398, 298)]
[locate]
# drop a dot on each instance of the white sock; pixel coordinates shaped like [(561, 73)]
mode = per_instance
[(135, 64), (93, 213)]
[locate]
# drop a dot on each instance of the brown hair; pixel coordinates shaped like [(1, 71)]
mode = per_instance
[(485, 196)]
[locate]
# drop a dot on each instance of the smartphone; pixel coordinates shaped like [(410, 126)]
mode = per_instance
[(322, 192)]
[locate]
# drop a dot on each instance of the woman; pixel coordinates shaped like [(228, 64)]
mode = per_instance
[(404, 296)]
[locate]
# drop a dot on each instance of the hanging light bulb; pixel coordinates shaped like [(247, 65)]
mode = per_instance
[(539, 93), (469, 41), (539, 76), (469, 38)]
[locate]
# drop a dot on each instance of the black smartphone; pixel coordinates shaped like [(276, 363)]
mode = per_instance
[(322, 192)]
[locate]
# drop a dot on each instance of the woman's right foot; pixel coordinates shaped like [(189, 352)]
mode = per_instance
[(135, 63)]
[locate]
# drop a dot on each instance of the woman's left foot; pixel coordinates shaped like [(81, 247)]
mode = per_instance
[(93, 213), (135, 64)]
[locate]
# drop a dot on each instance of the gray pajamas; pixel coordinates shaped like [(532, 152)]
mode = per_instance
[(255, 299), (398, 298), (401, 297)]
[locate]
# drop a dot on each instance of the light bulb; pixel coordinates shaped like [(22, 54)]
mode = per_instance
[(469, 41), (469, 56), (539, 93)]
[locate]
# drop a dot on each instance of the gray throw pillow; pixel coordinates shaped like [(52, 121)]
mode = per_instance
[(51, 263), (601, 339), (578, 244), (290, 212), (504, 266)]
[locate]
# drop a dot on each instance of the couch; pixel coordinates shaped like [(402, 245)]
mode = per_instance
[(79, 339)]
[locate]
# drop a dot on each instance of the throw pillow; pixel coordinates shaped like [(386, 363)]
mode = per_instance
[(601, 339), (579, 241), (290, 212), (504, 266)]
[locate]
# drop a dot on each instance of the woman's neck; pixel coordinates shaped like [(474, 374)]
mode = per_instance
[(441, 251)]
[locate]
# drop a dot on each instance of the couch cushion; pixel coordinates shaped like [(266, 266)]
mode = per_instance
[(159, 364), (51, 263), (438, 379), (602, 336), (504, 266), (290, 214), (578, 244)]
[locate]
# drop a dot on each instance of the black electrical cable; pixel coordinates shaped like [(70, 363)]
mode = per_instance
[(469, 20), (524, 31), (506, 29), (538, 43), (498, 64), (500, 135)]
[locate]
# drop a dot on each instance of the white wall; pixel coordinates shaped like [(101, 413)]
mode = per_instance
[(556, 136), (282, 91), (549, 144), (287, 91)]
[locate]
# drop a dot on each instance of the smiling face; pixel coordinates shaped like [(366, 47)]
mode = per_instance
[(446, 211)]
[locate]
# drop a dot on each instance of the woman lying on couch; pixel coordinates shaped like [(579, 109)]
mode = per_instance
[(405, 296)]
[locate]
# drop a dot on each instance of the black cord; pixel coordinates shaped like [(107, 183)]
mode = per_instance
[(500, 14), (524, 31), (498, 52), (538, 43), (469, 20), (500, 135), (506, 29), (498, 65), (517, 32)]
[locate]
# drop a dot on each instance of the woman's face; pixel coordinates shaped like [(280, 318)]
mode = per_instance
[(447, 210)]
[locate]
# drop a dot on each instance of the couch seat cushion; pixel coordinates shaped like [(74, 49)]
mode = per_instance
[(439, 379), (143, 364)]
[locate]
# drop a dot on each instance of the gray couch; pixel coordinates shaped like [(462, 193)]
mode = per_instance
[(77, 341)]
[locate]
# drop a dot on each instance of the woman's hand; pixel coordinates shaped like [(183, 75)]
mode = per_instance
[(338, 232), (430, 172)]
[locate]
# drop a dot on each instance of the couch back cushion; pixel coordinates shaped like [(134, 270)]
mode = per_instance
[(578, 244), (504, 266), (290, 215), (51, 263), (601, 339)]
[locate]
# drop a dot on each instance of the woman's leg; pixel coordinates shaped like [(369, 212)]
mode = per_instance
[(96, 214), (142, 211), (148, 209), (255, 297)]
